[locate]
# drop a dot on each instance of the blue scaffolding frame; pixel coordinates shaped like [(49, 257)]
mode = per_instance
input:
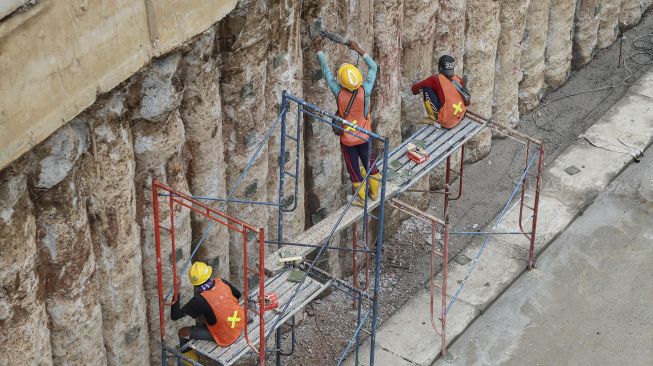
[(314, 113), (366, 300)]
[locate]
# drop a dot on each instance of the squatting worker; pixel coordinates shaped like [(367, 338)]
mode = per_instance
[(353, 98), (217, 301), (445, 96)]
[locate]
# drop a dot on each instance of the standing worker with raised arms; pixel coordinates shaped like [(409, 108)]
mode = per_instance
[(353, 98)]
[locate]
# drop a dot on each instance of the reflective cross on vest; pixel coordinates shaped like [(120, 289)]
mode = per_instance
[(234, 319), (453, 107), (228, 314), (458, 108)]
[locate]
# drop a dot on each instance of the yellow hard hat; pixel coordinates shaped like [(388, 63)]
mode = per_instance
[(350, 77), (199, 273)]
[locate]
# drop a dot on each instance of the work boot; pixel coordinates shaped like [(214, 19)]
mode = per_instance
[(375, 183), (191, 354), (374, 180), (360, 198)]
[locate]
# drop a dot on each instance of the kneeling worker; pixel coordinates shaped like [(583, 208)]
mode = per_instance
[(217, 301), (445, 96)]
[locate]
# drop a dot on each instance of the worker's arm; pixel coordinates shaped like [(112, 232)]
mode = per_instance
[(418, 86), (193, 308), (234, 291), (326, 71), (372, 67)]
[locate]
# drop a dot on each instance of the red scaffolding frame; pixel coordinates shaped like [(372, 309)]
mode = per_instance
[(216, 216)]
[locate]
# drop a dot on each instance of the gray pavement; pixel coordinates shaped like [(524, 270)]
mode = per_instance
[(600, 155), (590, 299)]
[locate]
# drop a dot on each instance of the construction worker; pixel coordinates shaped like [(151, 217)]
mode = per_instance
[(445, 96), (217, 301), (353, 99)]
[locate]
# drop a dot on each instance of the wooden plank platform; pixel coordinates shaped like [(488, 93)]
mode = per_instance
[(403, 173), (284, 289)]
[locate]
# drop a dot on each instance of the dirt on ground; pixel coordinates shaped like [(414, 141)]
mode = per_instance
[(330, 322)]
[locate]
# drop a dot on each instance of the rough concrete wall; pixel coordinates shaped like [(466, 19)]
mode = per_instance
[(559, 43), (157, 152), (449, 39), (82, 213), (646, 5), (532, 55), (65, 246), (586, 26), (9, 6), (630, 13), (24, 335), (172, 22), (450, 33), (481, 39), (323, 160), (417, 44), (608, 23), (284, 72), (115, 232), (508, 73), (159, 135), (201, 113), (245, 41), (97, 45), (360, 27), (386, 101)]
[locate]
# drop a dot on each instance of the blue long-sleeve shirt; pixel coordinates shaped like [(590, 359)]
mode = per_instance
[(335, 87)]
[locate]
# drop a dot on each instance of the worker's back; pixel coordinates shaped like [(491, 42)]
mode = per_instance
[(229, 315)]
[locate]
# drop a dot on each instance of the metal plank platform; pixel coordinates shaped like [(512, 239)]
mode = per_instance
[(403, 173), (284, 289)]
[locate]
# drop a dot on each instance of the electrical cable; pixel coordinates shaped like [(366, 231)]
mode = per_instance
[(641, 46)]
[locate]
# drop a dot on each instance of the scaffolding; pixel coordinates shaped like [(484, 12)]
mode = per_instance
[(277, 273)]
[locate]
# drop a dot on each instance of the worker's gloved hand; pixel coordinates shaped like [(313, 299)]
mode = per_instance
[(175, 299), (354, 46), (317, 42)]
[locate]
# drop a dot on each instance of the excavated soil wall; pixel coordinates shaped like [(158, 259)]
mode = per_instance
[(78, 276)]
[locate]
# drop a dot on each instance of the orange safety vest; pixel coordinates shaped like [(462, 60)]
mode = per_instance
[(228, 314), (356, 116), (453, 107)]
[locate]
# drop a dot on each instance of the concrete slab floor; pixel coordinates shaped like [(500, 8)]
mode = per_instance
[(409, 336), (589, 300), (560, 204), (495, 270), (488, 184)]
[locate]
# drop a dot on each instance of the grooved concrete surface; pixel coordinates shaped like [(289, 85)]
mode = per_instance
[(602, 268), (589, 300)]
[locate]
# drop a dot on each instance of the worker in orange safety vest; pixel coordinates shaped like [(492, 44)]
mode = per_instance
[(353, 98), (445, 96), (217, 301)]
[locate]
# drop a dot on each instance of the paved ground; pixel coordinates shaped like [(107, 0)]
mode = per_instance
[(488, 183), (600, 155), (589, 301)]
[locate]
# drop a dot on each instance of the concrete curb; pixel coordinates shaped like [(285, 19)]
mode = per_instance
[(407, 338)]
